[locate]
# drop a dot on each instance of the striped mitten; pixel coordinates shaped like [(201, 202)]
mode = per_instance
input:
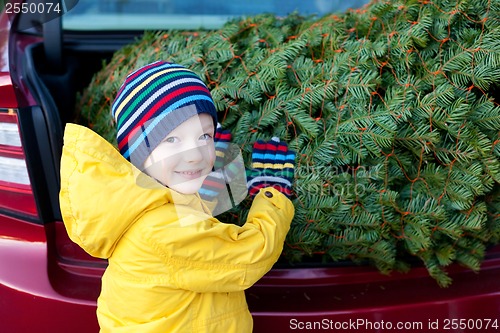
[(272, 166)]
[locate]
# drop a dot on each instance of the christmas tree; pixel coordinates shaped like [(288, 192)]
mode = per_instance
[(392, 109)]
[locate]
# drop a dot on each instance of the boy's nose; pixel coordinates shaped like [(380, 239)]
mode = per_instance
[(194, 154)]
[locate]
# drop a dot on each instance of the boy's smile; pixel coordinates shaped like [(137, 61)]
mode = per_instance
[(186, 156), (189, 175)]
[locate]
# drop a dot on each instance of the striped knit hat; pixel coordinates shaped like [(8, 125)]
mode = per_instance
[(152, 102)]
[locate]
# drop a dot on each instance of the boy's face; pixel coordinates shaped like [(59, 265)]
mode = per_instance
[(185, 157)]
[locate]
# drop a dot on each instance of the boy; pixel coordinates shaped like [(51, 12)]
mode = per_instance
[(172, 266)]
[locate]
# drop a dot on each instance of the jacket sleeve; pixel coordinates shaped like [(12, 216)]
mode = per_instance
[(206, 255)]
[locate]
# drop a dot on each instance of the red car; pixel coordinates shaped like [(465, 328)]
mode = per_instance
[(48, 284)]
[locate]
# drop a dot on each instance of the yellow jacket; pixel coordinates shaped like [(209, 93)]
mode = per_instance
[(172, 267)]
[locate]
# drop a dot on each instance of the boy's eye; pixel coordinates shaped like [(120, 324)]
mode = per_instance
[(171, 139), (205, 136)]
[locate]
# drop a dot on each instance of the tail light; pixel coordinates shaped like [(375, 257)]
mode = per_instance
[(16, 194)]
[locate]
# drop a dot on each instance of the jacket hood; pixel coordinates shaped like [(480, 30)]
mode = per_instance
[(102, 194)]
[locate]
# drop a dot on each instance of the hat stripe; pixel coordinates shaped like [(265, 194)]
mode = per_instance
[(137, 85), (152, 66), (151, 113), (170, 98), (134, 78), (156, 101), (139, 75), (157, 119), (165, 88)]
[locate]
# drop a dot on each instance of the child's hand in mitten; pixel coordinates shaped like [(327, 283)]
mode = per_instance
[(272, 166)]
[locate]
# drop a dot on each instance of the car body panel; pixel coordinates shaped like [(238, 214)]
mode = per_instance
[(29, 302)]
